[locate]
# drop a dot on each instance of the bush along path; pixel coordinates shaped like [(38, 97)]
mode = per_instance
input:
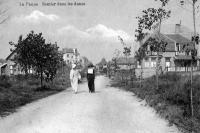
[(16, 91), (109, 110), (171, 100)]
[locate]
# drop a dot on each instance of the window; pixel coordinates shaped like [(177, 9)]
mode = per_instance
[(30, 71), (138, 64), (177, 47), (148, 48), (153, 62), (146, 63), (167, 62), (11, 69)]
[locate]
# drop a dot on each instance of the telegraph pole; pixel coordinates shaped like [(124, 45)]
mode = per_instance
[(193, 3)]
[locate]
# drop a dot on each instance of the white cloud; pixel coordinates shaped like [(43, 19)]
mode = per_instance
[(36, 17), (95, 42), (102, 30), (71, 30), (97, 32)]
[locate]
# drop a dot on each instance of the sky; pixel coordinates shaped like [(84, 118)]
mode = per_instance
[(92, 27)]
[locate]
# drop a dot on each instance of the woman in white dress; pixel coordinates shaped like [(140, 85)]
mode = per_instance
[(74, 77)]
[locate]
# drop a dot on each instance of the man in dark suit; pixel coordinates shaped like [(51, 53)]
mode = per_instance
[(91, 78)]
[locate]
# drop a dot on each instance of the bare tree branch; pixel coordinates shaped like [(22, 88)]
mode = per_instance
[(3, 16)]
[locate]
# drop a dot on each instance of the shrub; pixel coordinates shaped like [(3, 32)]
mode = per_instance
[(172, 99), (4, 82)]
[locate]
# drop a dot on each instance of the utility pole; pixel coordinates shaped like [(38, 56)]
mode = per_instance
[(193, 3), (191, 91)]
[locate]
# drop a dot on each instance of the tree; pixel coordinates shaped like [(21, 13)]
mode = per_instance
[(140, 55), (53, 62), (151, 19), (114, 59), (126, 52), (33, 53)]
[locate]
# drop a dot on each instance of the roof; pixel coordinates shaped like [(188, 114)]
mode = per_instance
[(171, 28), (11, 54), (171, 39), (67, 50), (184, 57), (125, 61), (178, 38), (3, 65)]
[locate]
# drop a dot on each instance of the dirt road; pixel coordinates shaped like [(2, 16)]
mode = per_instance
[(109, 110)]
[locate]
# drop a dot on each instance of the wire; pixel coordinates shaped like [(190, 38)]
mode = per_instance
[(183, 7), (189, 2)]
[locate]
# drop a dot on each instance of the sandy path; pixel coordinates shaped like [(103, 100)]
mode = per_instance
[(109, 110)]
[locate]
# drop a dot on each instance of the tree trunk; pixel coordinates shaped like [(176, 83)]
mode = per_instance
[(191, 95), (41, 77), (157, 82), (141, 75), (157, 70), (191, 90)]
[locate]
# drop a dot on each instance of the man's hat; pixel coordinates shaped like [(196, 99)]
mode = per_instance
[(90, 65)]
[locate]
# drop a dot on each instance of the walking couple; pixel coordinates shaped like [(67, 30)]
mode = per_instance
[(75, 77)]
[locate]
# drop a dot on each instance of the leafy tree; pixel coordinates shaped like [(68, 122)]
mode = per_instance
[(151, 19), (126, 52), (140, 55), (53, 62), (33, 53), (103, 61)]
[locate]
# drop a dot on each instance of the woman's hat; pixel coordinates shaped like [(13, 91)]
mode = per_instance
[(73, 65)]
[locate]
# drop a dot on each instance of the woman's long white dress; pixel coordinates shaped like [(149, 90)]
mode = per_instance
[(74, 76)]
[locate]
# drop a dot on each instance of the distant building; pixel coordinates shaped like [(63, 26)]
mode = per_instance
[(70, 55), (124, 63), (10, 67)]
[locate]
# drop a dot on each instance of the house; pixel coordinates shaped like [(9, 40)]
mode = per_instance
[(70, 55), (2, 66), (124, 63), (175, 58), (102, 66), (10, 67), (124, 67)]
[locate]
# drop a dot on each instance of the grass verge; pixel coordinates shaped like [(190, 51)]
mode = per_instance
[(171, 100), (16, 91)]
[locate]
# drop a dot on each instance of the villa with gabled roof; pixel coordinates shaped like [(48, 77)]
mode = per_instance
[(175, 58)]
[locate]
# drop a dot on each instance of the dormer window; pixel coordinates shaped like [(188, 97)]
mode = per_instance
[(148, 47), (178, 49)]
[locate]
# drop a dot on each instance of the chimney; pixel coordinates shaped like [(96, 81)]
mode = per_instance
[(178, 28)]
